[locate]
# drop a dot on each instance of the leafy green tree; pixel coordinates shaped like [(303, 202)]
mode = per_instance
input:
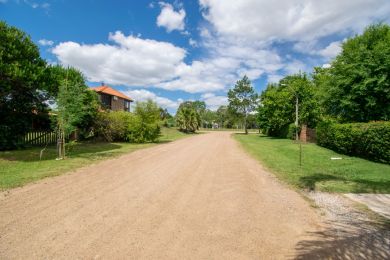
[(208, 118), (278, 103), (187, 117), (23, 88), (243, 99), (145, 126), (359, 87), (77, 106)]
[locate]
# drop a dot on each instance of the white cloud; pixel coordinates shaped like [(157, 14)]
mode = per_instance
[(171, 19), (310, 47), (332, 50), (296, 66), (265, 20), (45, 42), (130, 61), (143, 95), (213, 102), (35, 5), (273, 78), (192, 43)]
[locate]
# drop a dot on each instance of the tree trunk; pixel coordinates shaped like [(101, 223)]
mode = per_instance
[(245, 127)]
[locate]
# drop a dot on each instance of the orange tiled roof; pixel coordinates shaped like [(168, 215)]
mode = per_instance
[(110, 91)]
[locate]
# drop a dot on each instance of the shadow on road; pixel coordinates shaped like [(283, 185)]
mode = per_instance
[(368, 241)]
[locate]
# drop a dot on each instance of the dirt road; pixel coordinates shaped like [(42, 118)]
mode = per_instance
[(201, 197)]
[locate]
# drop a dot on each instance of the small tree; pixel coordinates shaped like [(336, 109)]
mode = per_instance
[(187, 118), (77, 105), (243, 99), (145, 126)]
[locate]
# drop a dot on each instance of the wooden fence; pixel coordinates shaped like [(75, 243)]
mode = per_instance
[(39, 138)]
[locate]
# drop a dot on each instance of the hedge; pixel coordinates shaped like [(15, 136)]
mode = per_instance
[(366, 140)]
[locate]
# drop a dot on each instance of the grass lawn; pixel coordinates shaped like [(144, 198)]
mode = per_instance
[(318, 171), (23, 166)]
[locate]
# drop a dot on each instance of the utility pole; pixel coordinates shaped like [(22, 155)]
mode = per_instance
[(296, 116)]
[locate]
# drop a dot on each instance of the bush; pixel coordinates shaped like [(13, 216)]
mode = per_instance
[(140, 127), (141, 132), (113, 126), (145, 124), (366, 140)]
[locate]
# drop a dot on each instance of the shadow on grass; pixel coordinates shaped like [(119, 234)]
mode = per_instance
[(359, 185), (50, 153), (366, 241)]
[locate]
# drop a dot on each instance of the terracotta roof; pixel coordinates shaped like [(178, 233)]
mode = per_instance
[(110, 91)]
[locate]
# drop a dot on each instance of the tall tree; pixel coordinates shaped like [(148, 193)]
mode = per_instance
[(359, 88), (243, 99), (23, 87)]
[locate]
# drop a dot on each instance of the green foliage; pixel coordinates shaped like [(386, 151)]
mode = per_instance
[(23, 88), (140, 127), (113, 126), (277, 105), (77, 105), (242, 99), (144, 126), (292, 131), (367, 140), (187, 117), (358, 83)]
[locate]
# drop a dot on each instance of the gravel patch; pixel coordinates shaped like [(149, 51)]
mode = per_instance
[(351, 232)]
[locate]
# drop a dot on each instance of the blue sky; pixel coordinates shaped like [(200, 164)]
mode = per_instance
[(172, 51)]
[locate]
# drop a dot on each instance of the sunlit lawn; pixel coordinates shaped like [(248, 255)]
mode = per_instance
[(318, 171), (23, 166)]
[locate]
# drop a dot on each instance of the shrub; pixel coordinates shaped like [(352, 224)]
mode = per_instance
[(144, 126), (366, 140), (141, 132), (113, 126)]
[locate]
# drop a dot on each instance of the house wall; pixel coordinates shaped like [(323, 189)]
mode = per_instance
[(118, 104)]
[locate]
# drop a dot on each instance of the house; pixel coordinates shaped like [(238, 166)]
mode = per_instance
[(112, 99)]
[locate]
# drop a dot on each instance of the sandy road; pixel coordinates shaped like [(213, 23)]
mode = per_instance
[(201, 197)]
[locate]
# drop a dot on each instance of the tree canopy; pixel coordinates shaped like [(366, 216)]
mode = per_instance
[(277, 104), (243, 99), (358, 83), (23, 87)]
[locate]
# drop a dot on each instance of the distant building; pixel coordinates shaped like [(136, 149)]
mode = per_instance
[(112, 99)]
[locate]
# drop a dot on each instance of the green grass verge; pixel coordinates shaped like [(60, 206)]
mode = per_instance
[(318, 171), (20, 167)]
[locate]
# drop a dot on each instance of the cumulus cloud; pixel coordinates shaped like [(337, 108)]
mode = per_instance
[(332, 50), (130, 60), (238, 37), (265, 20), (171, 19), (143, 95), (45, 42), (213, 101)]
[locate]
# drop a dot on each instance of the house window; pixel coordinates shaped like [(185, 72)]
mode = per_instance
[(106, 100), (127, 105), (115, 98)]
